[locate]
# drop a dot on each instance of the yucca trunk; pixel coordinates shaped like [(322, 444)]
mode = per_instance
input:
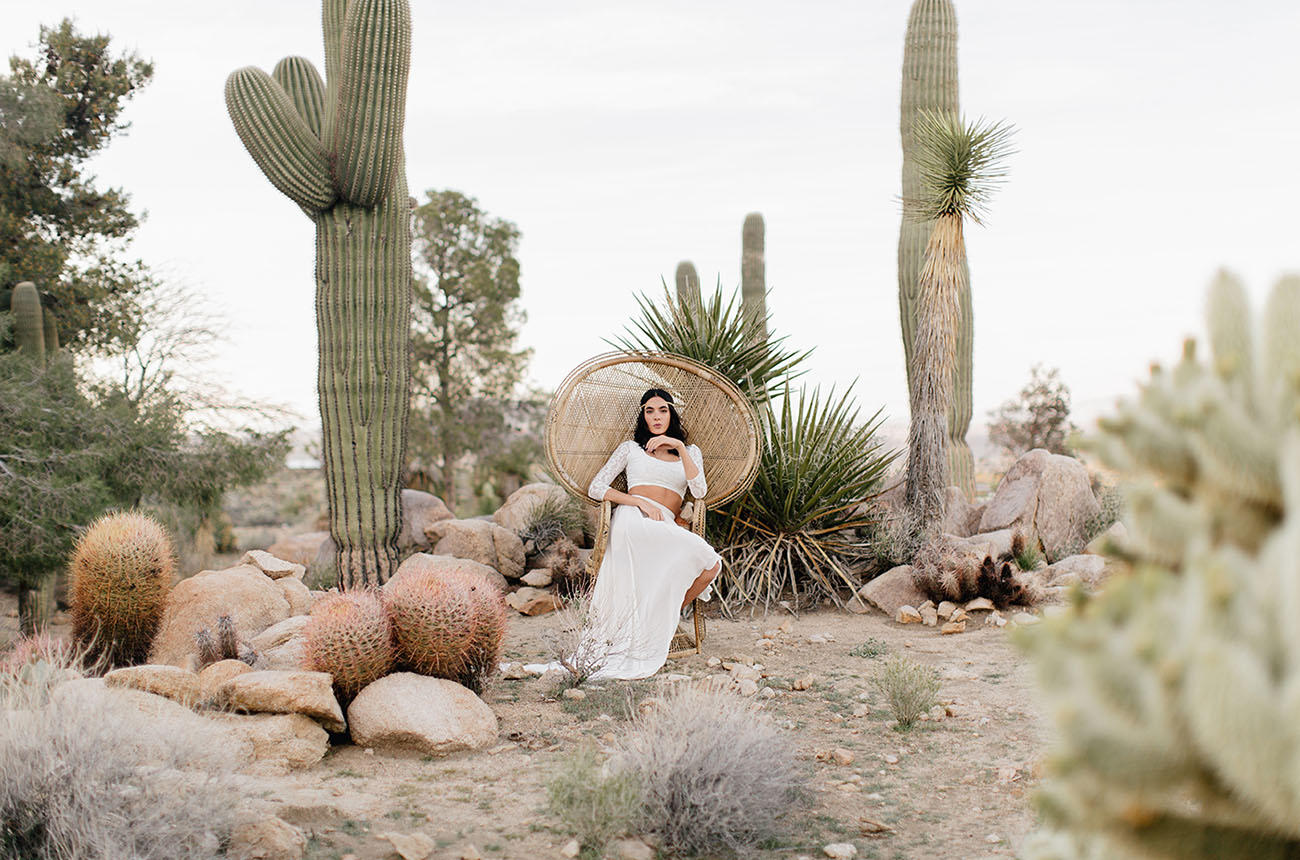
[(934, 359)]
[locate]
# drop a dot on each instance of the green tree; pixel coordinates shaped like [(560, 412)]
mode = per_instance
[(56, 228), (1038, 418), (465, 324)]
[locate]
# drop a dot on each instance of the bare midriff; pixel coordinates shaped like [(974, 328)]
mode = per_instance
[(662, 495)]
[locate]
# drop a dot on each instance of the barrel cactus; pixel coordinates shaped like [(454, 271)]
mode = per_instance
[(121, 571), (753, 269), (930, 84), (1175, 689), (446, 624), (334, 147), (349, 637), (29, 321)]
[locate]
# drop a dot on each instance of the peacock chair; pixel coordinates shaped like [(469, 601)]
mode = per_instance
[(593, 411)]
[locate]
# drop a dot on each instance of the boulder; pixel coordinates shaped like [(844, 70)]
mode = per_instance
[(429, 715), (477, 540), (533, 601), (298, 596), (299, 549), (420, 510), (282, 646), (892, 589), (446, 563), (538, 577), (218, 673), (1089, 570), (276, 568), (996, 543), (284, 692), (1117, 534), (244, 593), (179, 685), (514, 513), (279, 743), (266, 838), (957, 513), (1045, 494)]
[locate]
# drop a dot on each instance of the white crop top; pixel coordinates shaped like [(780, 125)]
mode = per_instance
[(646, 470)]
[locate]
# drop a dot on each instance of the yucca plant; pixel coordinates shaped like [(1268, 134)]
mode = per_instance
[(795, 529), (716, 332), (958, 165)]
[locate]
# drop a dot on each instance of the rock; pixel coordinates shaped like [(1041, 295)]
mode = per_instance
[(995, 619), (1090, 570), (298, 596), (411, 846), (244, 593), (946, 609), (1025, 619), (842, 756), (276, 568), (571, 849), (1117, 535), (958, 614), (283, 692), (957, 513), (953, 627), (218, 673), (747, 687), (1045, 494), (430, 715), (514, 513), (892, 589), (477, 540), (420, 510), (857, 605), (840, 851), (574, 694), (807, 682), (908, 615), (266, 838), (980, 604), (299, 549), (279, 742), (283, 646), (929, 614), (179, 685), (533, 601), (446, 563), (996, 544), (538, 577), (515, 671), (630, 849)]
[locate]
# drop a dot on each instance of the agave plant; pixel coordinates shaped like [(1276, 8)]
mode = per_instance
[(958, 164), (795, 530), (717, 333)]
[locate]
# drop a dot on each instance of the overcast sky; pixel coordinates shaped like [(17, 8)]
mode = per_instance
[(1157, 141)]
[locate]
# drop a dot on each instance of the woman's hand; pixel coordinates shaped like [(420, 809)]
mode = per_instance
[(650, 509), (665, 442)]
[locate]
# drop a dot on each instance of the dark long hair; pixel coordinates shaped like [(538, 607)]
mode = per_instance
[(641, 433)]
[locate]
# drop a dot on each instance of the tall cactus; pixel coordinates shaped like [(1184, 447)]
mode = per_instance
[(688, 283), (930, 84), (1175, 689), (753, 269), (51, 333), (334, 147), (29, 321)]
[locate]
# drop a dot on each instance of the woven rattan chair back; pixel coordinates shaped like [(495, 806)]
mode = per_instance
[(595, 408)]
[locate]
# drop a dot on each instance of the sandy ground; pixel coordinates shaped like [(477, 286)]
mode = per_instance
[(953, 788)]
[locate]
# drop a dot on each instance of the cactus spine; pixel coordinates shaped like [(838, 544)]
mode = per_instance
[(446, 624), (930, 83), (1175, 688), (29, 321), (688, 283), (753, 270), (349, 637), (334, 147)]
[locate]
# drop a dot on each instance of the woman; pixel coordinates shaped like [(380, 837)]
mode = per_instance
[(652, 567)]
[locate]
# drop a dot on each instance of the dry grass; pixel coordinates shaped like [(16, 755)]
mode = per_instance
[(594, 803)]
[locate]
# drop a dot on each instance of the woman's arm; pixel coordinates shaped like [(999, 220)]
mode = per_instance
[(692, 462)]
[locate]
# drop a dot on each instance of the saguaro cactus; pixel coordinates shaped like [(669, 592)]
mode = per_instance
[(335, 149), (29, 321), (753, 269), (688, 283), (930, 84)]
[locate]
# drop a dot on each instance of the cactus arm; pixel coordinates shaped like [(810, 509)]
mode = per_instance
[(371, 110), (29, 321), (278, 138), (51, 333), (303, 84), (753, 269), (688, 283)]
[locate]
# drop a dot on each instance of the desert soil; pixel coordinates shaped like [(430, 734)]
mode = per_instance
[(957, 787)]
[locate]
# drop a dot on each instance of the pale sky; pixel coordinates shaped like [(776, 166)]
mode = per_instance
[(1157, 141)]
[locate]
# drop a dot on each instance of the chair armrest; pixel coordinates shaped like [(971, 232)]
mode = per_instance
[(602, 539)]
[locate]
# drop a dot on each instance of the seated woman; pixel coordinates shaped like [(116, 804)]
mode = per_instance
[(652, 567)]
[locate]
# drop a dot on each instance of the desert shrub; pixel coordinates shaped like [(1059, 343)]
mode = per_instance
[(909, 688), (1025, 552), (581, 642), (594, 803), (568, 570), (945, 569), (1039, 417), (95, 779), (894, 539), (550, 519), (714, 774), (870, 649)]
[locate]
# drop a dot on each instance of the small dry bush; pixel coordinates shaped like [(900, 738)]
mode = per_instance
[(714, 774), (88, 778), (909, 688), (582, 642), (595, 803)]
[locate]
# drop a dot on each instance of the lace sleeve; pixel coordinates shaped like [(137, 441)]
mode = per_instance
[(616, 463), (697, 485)]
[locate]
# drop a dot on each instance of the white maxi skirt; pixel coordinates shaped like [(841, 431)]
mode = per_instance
[(636, 604)]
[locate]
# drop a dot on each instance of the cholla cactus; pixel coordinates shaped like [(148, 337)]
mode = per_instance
[(944, 569), (1177, 689)]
